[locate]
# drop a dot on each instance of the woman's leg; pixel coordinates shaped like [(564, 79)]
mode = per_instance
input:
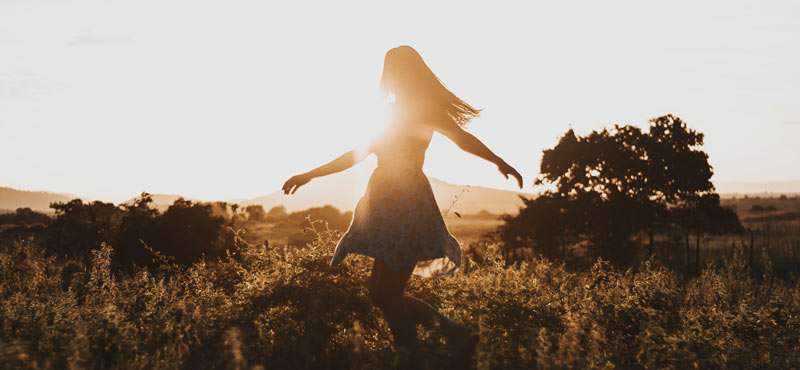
[(402, 312), (386, 287)]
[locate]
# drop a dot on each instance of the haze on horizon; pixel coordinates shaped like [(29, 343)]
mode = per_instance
[(107, 99)]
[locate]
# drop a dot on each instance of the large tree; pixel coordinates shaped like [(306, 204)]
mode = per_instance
[(610, 184)]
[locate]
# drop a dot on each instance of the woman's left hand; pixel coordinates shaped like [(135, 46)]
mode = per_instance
[(507, 170)]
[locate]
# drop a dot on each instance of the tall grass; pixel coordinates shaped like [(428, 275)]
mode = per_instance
[(285, 308)]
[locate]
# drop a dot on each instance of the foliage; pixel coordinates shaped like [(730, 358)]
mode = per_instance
[(256, 213), (336, 219), (186, 232), (705, 214), (277, 213), (186, 224), (80, 227), (285, 308), (24, 223), (302, 220), (613, 183), (24, 217)]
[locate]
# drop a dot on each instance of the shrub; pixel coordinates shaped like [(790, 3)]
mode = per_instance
[(186, 232), (24, 217)]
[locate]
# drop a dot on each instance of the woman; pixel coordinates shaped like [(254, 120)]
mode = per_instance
[(397, 221)]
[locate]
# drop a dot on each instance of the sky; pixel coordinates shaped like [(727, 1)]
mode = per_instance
[(225, 100)]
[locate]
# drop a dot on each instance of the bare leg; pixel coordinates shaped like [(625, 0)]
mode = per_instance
[(402, 312)]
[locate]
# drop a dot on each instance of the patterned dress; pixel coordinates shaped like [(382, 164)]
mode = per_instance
[(397, 220)]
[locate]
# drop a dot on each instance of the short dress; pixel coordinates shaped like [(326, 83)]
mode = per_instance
[(397, 221)]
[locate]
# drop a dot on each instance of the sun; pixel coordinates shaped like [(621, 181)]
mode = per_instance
[(366, 126), (372, 123)]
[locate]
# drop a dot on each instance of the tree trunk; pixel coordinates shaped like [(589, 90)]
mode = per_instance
[(752, 246), (652, 243)]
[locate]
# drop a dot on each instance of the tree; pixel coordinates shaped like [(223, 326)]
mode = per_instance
[(256, 213), (328, 215), (188, 231), (334, 218), (541, 224), (277, 213), (704, 214), (137, 229), (610, 184), (24, 217), (678, 168), (80, 227)]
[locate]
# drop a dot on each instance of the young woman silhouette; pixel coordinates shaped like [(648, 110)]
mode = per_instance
[(397, 221)]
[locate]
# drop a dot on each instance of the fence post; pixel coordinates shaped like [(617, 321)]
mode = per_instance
[(688, 254), (697, 253), (752, 242)]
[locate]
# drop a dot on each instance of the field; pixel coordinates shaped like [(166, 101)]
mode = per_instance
[(276, 304), (468, 229), (285, 308)]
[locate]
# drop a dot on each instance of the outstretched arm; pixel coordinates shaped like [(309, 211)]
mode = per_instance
[(339, 164), (471, 144)]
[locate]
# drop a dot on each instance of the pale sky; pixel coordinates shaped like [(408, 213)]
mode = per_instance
[(221, 100)]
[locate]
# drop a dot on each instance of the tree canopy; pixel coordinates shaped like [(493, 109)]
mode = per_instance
[(614, 182)]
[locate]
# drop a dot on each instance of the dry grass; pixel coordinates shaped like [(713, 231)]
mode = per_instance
[(281, 309)]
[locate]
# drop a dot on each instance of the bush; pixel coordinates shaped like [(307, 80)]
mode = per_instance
[(256, 213), (24, 217), (186, 232), (301, 221), (277, 213), (81, 227)]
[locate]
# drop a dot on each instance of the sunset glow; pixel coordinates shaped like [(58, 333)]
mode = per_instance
[(214, 102)]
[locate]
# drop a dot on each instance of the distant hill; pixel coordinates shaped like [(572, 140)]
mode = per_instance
[(340, 190), (474, 199), (12, 199), (343, 191), (758, 187)]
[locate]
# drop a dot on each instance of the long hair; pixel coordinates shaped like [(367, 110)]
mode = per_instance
[(406, 74)]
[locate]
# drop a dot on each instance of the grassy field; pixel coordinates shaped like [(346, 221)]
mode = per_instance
[(735, 304), (286, 309), (467, 229)]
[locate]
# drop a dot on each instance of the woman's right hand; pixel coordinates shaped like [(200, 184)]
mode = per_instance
[(295, 182)]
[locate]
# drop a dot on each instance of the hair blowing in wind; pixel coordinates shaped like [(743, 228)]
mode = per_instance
[(405, 73)]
